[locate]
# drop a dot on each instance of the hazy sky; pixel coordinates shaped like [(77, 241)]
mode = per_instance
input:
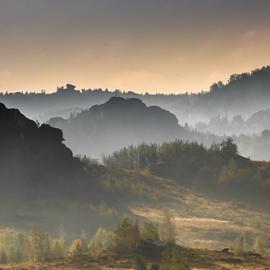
[(140, 45)]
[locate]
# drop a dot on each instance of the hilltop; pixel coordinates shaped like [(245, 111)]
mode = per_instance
[(118, 122)]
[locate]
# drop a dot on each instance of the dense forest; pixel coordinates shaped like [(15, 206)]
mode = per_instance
[(218, 170)]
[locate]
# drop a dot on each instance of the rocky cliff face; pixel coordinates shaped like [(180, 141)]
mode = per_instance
[(33, 157)]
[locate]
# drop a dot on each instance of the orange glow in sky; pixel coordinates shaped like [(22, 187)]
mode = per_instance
[(153, 45)]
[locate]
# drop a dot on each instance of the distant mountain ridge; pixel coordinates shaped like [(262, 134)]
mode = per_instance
[(255, 124), (242, 94)]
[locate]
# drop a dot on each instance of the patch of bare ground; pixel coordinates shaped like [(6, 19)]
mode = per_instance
[(203, 232), (105, 262), (202, 222)]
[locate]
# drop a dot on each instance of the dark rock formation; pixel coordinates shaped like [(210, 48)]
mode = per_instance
[(32, 157)]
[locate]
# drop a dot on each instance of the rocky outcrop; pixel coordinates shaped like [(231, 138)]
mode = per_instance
[(32, 156)]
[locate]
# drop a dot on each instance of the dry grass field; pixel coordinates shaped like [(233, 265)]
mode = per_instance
[(197, 260), (204, 226), (202, 222)]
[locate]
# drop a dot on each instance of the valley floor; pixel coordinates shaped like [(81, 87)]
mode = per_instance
[(197, 260)]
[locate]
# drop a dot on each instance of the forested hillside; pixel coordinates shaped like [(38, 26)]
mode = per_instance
[(219, 170), (214, 195), (119, 122)]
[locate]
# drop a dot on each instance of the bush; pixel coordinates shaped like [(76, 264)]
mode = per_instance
[(172, 259), (126, 236), (78, 247), (102, 240), (149, 231)]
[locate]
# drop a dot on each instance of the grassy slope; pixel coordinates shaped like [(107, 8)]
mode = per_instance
[(201, 222)]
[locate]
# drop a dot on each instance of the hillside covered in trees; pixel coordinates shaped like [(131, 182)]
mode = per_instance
[(219, 170), (35, 160), (105, 128), (44, 183)]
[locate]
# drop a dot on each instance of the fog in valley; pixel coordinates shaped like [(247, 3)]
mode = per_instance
[(134, 135), (89, 162)]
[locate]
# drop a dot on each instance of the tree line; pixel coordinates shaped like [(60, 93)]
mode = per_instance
[(217, 169), (173, 154), (128, 237)]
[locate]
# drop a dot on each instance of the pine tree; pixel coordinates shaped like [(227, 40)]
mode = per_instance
[(258, 246), (167, 232), (39, 245), (149, 231), (126, 235), (34, 245), (139, 263), (13, 255), (46, 246), (102, 240), (3, 257), (63, 244), (240, 245), (20, 246), (78, 247), (171, 259), (58, 252)]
